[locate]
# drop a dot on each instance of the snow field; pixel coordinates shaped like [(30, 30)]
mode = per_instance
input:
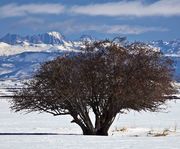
[(133, 130)]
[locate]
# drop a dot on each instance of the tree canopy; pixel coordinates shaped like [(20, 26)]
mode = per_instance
[(106, 78)]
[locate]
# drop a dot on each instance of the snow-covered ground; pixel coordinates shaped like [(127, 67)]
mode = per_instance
[(130, 131)]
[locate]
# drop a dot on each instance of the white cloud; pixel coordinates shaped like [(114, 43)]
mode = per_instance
[(127, 29), (12, 10), (30, 21), (73, 27), (130, 8), (122, 8)]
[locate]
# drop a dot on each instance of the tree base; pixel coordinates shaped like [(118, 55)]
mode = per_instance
[(97, 133)]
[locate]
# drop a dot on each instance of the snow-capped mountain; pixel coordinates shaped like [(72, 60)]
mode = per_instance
[(12, 39), (25, 64), (9, 49), (12, 44), (87, 38), (20, 56), (171, 48), (46, 38)]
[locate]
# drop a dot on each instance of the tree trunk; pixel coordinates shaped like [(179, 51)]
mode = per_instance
[(88, 132), (102, 132), (100, 129), (99, 132)]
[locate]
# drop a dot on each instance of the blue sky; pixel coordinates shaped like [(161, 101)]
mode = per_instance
[(137, 19)]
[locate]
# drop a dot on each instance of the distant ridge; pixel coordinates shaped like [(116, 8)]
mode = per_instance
[(20, 56), (46, 38)]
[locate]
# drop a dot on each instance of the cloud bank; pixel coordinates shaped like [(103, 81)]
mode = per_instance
[(73, 27), (131, 8), (14, 10), (30, 15), (122, 8)]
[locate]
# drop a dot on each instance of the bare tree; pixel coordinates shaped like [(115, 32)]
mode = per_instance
[(105, 79)]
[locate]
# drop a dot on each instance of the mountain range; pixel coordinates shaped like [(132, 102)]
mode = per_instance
[(47, 38), (20, 56)]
